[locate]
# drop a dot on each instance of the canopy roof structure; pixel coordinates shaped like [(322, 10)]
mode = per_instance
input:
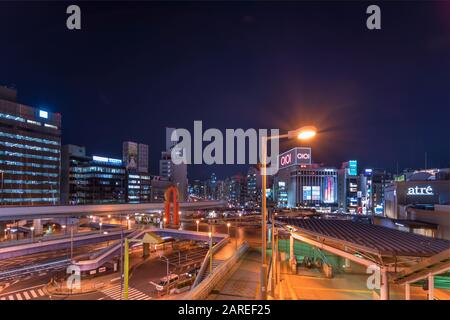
[(367, 242)]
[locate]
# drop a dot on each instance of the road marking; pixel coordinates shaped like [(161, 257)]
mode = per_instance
[(11, 297), (3, 298), (19, 297), (26, 295), (33, 293), (133, 294), (41, 293), (25, 289)]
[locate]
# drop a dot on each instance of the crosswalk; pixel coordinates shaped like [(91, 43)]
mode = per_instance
[(24, 295), (133, 294)]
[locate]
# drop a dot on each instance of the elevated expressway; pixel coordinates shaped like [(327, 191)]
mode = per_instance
[(37, 212)]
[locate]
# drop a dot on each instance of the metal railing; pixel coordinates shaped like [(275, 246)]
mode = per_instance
[(202, 291), (10, 274), (205, 263)]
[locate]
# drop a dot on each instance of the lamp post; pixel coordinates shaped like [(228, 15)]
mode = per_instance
[(197, 222), (32, 233), (228, 226), (303, 133), (164, 222), (100, 225), (210, 253)]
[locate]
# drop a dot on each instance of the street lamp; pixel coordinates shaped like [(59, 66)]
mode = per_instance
[(32, 233), (164, 224), (228, 226), (197, 222), (210, 253), (303, 133), (100, 225)]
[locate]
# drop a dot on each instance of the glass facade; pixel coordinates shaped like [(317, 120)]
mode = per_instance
[(29, 155)]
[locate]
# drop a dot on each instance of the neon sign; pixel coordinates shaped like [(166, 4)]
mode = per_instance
[(420, 191), (295, 156)]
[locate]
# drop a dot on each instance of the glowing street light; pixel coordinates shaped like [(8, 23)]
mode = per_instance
[(228, 226), (197, 222), (303, 133), (32, 233), (210, 253)]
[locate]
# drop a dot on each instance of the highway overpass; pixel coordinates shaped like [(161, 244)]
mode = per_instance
[(35, 212)]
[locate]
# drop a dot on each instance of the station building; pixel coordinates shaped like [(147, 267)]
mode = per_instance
[(419, 202)]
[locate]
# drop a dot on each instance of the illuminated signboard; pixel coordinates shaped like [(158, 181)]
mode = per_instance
[(353, 167), (108, 160), (295, 156), (43, 114), (420, 191)]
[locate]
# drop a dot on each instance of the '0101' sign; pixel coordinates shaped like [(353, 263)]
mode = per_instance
[(295, 156)]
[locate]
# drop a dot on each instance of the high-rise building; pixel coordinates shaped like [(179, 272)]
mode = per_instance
[(254, 186), (143, 158), (237, 190), (349, 188), (91, 180), (135, 156), (30, 153), (138, 186), (176, 173)]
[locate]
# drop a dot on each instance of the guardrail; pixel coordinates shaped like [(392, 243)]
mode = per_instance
[(205, 262), (202, 291), (10, 274)]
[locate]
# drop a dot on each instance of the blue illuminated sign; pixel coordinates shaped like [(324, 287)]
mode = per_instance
[(43, 114), (353, 167), (108, 160)]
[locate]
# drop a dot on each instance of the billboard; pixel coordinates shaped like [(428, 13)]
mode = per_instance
[(295, 156), (130, 155)]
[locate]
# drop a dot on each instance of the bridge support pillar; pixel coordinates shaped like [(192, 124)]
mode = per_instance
[(430, 287), (145, 249), (37, 224), (407, 291), (292, 258), (384, 290)]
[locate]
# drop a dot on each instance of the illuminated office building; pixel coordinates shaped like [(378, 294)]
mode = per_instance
[(30, 147), (91, 180)]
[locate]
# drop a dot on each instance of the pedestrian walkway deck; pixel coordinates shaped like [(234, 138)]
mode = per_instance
[(243, 283)]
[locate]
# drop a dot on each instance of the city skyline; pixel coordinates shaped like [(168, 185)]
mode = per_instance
[(366, 93), (247, 152)]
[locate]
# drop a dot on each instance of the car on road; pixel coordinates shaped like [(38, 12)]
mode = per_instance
[(166, 283)]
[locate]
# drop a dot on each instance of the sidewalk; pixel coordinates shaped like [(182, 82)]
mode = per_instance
[(243, 284)]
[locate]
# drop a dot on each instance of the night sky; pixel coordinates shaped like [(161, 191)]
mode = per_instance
[(380, 97)]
